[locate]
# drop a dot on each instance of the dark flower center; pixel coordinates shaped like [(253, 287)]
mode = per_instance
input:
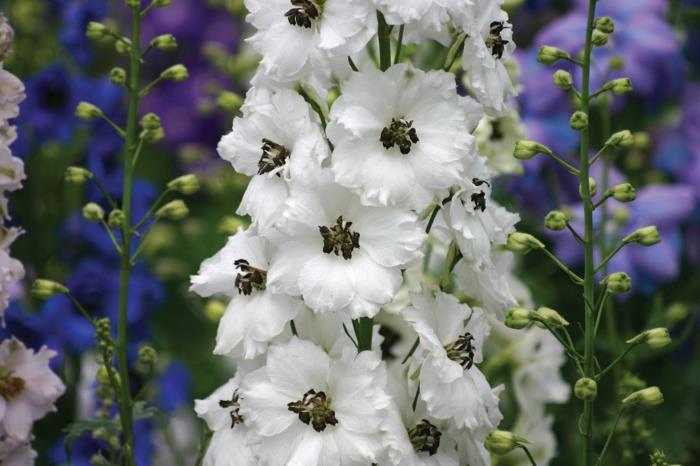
[(304, 12), (11, 387), (425, 437), (315, 409), (479, 199), (495, 42), (235, 407), (400, 133), (339, 239), (496, 131), (462, 351), (273, 156), (250, 278)]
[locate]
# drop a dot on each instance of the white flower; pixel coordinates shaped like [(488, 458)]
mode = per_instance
[(221, 411), (310, 410), (11, 170), (256, 314), (297, 37), (11, 94), (451, 385), (341, 255), (8, 133), (16, 453), (28, 388), (7, 35), (489, 43), (470, 446), (423, 19), (11, 271), (401, 136), (278, 140), (497, 138), (326, 330), (490, 284)]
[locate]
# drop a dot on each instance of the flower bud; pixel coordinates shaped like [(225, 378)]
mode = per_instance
[(173, 210), (523, 243), (621, 140), (123, 46), (617, 63), (175, 73), (563, 80), (599, 38), (642, 141), (620, 86), (624, 192), (525, 150), (579, 120), (646, 398), (618, 283), (229, 101), (92, 212), (214, 310), (229, 225), (186, 184), (677, 312), (161, 3), (116, 218), (586, 389), (605, 24), (103, 375), (500, 442), (548, 55), (99, 460), (518, 318), (646, 236), (77, 175), (655, 339), (550, 317), (147, 355), (95, 30), (44, 289), (133, 3), (556, 220), (152, 135), (150, 121), (87, 111), (164, 42), (118, 76), (592, 187)]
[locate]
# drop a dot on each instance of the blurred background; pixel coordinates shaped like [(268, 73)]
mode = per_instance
[(657, 44)]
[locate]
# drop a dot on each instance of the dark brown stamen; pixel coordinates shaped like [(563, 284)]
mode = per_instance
[(425, 437), (339, 239), (304, 12), (250, 278), (462, 351), (11, 387), (479, 200), (273, 156), (495, 42), (235, 406), (314, 409), (400, 133)]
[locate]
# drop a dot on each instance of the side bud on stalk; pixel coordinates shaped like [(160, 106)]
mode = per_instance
[(500, 442), (618, 283), (186, 184), (103, 335), (147, 355), (87, 111), (164, 42), (592, 187), (525, 150), (175, 73), (118, 76), (647, 398), (563, 80), (93, 212), (229, 101), (579, 121), (518, 318), (621, 140), (619, 86), (523, 243), (605, 24), (556, 220), (173, 210), (549, 55), (116, 218), (599, 38), (624, 192), (44, 289), (646, 236), (586, 389), (95, 30), (77, 175), (655, 339), (547, 317)]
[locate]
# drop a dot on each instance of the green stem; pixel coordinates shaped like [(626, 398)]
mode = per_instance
[(614, 363), (104, 192), (111, 236), (609, 257), (114, 126), (203, 446), (529, 455), (575, 278), (384, 43), (142, 244), (610, 436), (151, 211), (399, 45)]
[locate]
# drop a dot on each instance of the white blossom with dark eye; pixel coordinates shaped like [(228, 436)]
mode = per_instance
[(423, 19)]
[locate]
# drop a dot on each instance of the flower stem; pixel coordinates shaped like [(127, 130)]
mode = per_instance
[(529, 455), (384, 43)]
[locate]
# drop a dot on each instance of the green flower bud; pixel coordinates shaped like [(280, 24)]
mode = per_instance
[(525, 150), (556, 220), (147, 355), (618, 283), (186, 184), (655, 339), (523, 243), (173, 210), (624, 192), (44, 289), (642, 141), (214, 310), (123, 46), (617, 63), (77, 175), (518, 318), (116, 218), (229, 225), (175, 73), (620, 86), (621, 215), (646, 236), (95, 30), (599, 38), (92, 212), (162, 3), (550, 317), (621, 140), (677, 312), (605, 24), (230, 101), (152, 135), (87, 111), (150, 121), (592, 187), (118, 76), (563, 80), (164, 42), (548, 55), (103, 375), (500, 442), (646, 398), (586, 389), (579, 120)]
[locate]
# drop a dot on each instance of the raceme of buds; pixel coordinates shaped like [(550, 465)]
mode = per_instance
[(592, 187), (617, 283), (175, 73), (173, 210), (523, 243), (116, 218), (548, 55), (556, 220), (563, 80), (586, 389), (44, 289), (624, 192), (655, 339), (164, 42), (619, 86), (646, 236), (621, 140), (579, 120), (185, 184), (547, 317), (518, 318), (87, 111), (605, 24), (93, 212), (599, 38), (646, 398), (500, 442), (77, 175), (525, 150), (118, 76)]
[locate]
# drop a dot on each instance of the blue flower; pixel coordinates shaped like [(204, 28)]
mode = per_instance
[(74, 18)]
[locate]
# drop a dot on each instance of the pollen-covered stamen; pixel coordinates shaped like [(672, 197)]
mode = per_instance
[(273, 156), (10, 386), (235, 406), (479, 200), (494, 41), (400, 133), (425, 437), (340, 239), (304, 12), (462, 351), (250, 278), (314, 409)]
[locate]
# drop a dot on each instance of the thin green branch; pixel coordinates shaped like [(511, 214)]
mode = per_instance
[(399, 44), (575, 233), (150, 86), (610, 436), (529, 455), (570, 273), (599, 308), (609, 257), (384, 43), (119, 130), (111, 236), (412, 351), (104, 192), (151, 211), (570, 168), (142, 244), (612, 364)]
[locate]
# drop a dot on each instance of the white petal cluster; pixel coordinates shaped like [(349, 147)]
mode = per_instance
[(368, 202)]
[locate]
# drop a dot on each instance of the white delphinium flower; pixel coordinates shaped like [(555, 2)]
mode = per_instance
[(221, 411), (470, 446), (7, 35), (278, 140), (488, 45), (422, 19), (489, 284), (329, 330), (308, 409), (8, 133), (28, 388), (401, 136), (340, 255), (16, 453), (450, 383), (255, 314), (497, 138), (11, 271), (297, 38), (11, 170), (11, 94)]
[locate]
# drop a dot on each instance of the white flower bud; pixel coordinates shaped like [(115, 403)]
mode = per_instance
[(556, 220), (87, 111), (186, 184), (44, 289), (646, 236), (175, 73), (523, 243), (655, 339), (518, 318), (586, 389), (621, 140), (500, 442), (525, 150), (617, 283), (548, 55)]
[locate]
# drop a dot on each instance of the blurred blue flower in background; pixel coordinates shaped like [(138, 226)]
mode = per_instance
[(75, 16)]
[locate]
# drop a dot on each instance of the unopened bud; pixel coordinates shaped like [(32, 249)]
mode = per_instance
[(164, 42), (620, 86), (563, 80), (93, 212), (133, 3), (579, 120), (646, 398), (229, 225), (599, 38), (646, 236), (655, 339), (677, 312), (624, 192), (103, 375), (525, 150), (214, 310), (586, 389), (118, 76), (175, 73), (123, 46), (95, 30), (186, 184), (150, 121), (99, 460), (523, 243), (500, 442), (147, 355), (592, 187), (44, 289), (616, 63), (161, 3), (556, 220), (548, 55), (152, 135), (618, 283), (642, 141), (621, 139), (173, 210), (230, 101), (116, 218), (545, 316), (77, 175), (87, 111), (518, 318), (605, 24)]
